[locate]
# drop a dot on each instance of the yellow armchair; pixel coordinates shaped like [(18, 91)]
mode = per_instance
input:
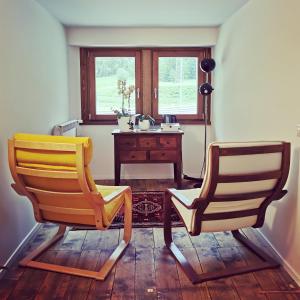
[(53, 172)]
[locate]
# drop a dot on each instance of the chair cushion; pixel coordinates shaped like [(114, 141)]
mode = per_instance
[(112, 207), (47, 158), (233, 165), (188, 215), (228, 224)]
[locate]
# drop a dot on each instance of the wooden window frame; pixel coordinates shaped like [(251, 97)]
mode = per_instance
[(200, 53), (87, 72)]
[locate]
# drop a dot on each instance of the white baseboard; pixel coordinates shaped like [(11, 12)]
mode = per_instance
[(20, 247), (291, 271)]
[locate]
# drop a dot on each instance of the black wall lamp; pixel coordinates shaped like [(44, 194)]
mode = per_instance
[(206, 65)]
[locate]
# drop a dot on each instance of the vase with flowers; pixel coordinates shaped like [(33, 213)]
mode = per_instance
[(124, 115)]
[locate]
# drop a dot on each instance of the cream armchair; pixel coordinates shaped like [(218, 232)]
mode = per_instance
[(241, 180), (53, 172)]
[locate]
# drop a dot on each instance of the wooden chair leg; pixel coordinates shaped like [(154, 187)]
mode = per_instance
[(110, 262), (187, 268), (128, 216), (29, 261), (267, 261), (255, 249), (167, 219)]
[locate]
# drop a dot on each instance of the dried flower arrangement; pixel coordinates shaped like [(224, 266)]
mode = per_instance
[(126, 93)]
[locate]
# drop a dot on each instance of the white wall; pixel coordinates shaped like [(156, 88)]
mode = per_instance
[(257, 98), (33, 98), (102, 166), (141, 37)]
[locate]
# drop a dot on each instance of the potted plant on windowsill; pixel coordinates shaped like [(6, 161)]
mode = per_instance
[(145, 122), (124, 116)]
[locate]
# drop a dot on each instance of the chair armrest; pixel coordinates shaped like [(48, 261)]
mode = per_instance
[(188, 203), (17, 189), (115, 194), (280, 195)]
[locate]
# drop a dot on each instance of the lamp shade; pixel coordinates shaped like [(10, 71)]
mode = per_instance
[(205, 89), (207, 65)]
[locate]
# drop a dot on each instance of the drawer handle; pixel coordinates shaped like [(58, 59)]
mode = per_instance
[(132, 156), (163, 154)]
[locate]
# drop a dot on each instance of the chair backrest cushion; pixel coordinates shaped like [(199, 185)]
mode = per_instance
[(52, 159), (57, 161), (238, 159)]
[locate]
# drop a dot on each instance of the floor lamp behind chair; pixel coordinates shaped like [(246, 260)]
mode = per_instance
[(206, 65)]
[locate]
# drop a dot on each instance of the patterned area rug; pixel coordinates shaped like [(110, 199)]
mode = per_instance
[(147, 210)]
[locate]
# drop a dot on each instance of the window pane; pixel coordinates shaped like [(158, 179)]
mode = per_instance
[(108, 70), (177, 85)]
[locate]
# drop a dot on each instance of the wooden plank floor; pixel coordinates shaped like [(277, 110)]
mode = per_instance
[(146, 270)]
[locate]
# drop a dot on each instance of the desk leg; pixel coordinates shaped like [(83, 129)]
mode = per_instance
[(117, 173), (175, 172), (178, 174)]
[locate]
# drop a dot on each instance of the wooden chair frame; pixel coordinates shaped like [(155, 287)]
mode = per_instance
[(94, 198), (200, 204)]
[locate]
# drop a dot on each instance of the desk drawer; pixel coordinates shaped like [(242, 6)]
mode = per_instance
[(147, 142), (161, 155), (168, 142), (132, 156), (127, 142)]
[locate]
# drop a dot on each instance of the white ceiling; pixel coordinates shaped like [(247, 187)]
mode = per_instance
[(142, 13)]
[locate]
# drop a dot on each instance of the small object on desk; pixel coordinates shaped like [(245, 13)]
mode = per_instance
[(144, 125), (144, 122), (170, 126), (169, 119)]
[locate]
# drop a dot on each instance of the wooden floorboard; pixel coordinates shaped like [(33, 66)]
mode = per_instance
[(210, 260), (147, 270), (79, 287), (190, 291), (56, 285), (102, 290), (277, 279), (158, 237), (145, 287), (123, 287), (143, 238), (167, 279), (246, 285), (31, 280)]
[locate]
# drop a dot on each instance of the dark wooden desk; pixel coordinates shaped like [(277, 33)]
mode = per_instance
[(148, 147)]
